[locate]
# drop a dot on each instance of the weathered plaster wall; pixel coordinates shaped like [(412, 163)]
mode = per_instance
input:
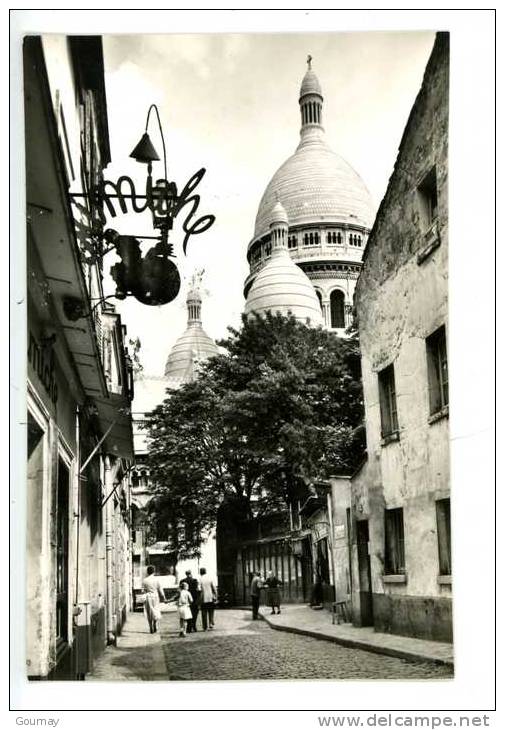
[(400, 301), (340, 502)]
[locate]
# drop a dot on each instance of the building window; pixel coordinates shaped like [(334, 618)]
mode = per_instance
[(394, 562), (387, 396), (320, 297), (443, 508), (337, 309), (438, 372), (292, 242), (428, 200)]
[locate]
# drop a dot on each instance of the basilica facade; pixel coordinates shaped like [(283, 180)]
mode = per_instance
[(327, 215)]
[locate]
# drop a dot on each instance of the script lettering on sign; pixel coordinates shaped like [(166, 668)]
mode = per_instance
[(42, 361)]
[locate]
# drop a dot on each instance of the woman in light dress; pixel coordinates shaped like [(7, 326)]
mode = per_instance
[(154, 596), (184, 602)]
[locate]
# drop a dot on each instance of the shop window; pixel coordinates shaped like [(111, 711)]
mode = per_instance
[(438, 372), (337, 309), (394, 555), (428, 200), (387, 396), (443, 509)]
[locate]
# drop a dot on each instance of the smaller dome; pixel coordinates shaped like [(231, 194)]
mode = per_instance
[(278, 214), (281, 286), (193, 346), (310, 84)]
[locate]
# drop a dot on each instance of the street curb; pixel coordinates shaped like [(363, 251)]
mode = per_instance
[(356, 644)]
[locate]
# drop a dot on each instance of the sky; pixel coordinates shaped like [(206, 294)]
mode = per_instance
[(229, 103)]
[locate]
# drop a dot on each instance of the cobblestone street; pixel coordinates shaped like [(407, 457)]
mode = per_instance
[(239, 648)]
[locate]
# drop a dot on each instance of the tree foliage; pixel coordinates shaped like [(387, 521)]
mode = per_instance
[(281, 406)]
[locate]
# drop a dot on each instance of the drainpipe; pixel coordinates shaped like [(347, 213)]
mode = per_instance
[(111, 636)]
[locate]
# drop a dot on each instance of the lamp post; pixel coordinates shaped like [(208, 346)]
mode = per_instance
[(152, 279)]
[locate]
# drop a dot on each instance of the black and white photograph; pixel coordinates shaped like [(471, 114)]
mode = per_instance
[(239, 356)]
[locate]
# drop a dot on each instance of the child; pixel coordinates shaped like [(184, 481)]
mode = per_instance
[(184, 602)]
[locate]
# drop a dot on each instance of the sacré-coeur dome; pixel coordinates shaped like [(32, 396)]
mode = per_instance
[(315, 184), (193, 346), (281, 286)]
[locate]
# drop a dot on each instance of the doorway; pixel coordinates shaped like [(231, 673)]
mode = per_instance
[(62, 503), (365, 574)]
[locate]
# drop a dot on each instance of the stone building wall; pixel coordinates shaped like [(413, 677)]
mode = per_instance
[(402, 298)]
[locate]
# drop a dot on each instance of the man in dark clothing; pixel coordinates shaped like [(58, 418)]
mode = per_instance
[(256, 586), (194, 589)]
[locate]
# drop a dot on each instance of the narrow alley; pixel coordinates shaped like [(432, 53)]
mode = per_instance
[(239, 648)]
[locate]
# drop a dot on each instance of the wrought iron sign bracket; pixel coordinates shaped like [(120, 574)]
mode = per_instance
[(152, 279)]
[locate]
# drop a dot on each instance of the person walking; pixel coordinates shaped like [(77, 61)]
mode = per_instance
[(154, 595), (209, 598), (256, 586), (184, 602), (273, 585), (195, 589)]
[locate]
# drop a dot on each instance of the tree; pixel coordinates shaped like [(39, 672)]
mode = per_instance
[(280, 407)]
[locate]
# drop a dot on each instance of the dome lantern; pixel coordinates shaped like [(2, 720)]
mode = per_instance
[(278, 227), (311, 101)]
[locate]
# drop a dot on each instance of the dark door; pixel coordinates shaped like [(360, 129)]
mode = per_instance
[(365, 576), (307, 571), (62, 557)]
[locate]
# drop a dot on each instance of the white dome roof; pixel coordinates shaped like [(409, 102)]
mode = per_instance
[(194, 345), (316, 185), (281, 286)]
